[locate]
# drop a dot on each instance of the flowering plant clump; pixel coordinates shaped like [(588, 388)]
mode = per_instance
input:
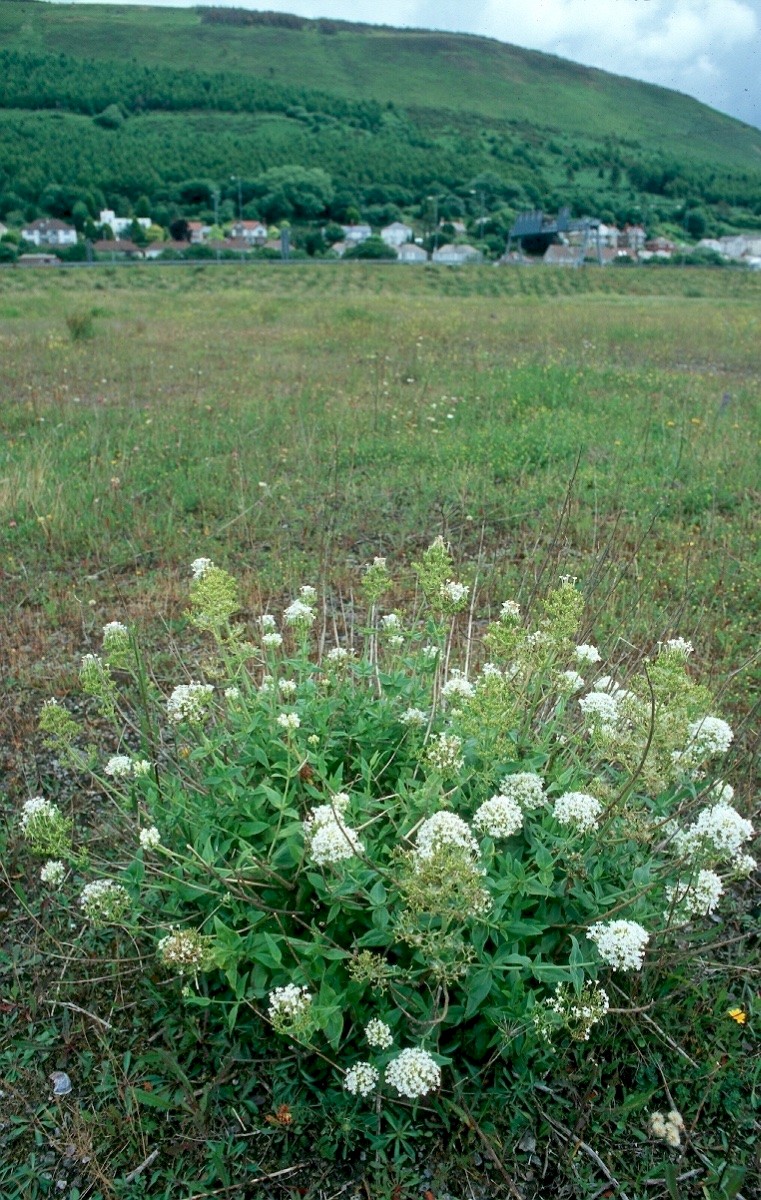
[(104, 902), (452, 841), (44, 827)]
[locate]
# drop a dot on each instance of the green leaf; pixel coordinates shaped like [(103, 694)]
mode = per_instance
[(669, 1174), (479, 986), (732, 1182)]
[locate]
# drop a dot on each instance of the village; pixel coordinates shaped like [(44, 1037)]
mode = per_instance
[(535, 238)]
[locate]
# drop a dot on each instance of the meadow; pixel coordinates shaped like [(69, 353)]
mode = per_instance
[(291, 423)]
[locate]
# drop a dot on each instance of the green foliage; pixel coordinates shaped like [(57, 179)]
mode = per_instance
[(372, 247)]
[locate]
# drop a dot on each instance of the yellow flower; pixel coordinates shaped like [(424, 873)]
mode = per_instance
[(737, 1014)]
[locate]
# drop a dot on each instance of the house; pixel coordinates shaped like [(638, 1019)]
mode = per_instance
[(632, 237), (562, 256), (198, 232), (119, 225), (49, 231), (456, 255), (117, 248), (354, 234), (410, 253), (340, 248), (657, 247), (38, 260), (458, 226), (156, 249), (396, 234), (253, 233)]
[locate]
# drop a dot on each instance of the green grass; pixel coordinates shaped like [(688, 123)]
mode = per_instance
[(291, 423)]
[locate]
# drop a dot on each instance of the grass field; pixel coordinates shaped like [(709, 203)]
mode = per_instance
[(290, 423)]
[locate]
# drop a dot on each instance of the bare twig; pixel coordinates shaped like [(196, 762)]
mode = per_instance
[(143, 1166), (580, 1145)]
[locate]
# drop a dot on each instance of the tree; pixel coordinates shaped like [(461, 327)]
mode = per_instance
[(373, 247), (112, 117), (696, 223), (180, 230), (293, 191)]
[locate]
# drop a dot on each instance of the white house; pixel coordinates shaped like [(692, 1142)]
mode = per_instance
[(396, 234), (252, 232), (410, 253), (119, 225), (49, 231), (456, 255), (3, 229), (198, 231), (354, 234)]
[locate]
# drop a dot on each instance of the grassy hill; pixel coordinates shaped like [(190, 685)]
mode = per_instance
[(448, 107)]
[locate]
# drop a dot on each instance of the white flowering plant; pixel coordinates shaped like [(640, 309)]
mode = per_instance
[(421, 869)]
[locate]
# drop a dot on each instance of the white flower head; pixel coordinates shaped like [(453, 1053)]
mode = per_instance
[(379, 1034), (272, 639), (328, 838), (232, 694), (189, 702), (287, 687), (719, 831), (708, 737), (526, 788), (444, 829), (104, 902), (361, 1079), (499, 817), (141, 767), (510, 611), (455, 594), (588, 654), (681, 646), (571, 681), (119, 766), (150, 838), (579, 810), (200, 566), (414, 716), (390, 622), (695, 898), (601, 710), (443, 753), (290, 722), (413, 1073), (308, 593), (337, 655), (621, 944), (266, 622), (299, 613), (290, 1006), (184, 950), (53, 873), (457, 687)]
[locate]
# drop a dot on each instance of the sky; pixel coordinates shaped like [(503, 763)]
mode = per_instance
[(710, 49)]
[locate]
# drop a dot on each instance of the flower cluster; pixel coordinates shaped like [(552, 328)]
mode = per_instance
[(44, 826), (413, 1073), (571, 681), (104, 902), (58, 725), (116, 643), (458, 687), (361, 1079), (510, 611), (213, 596), (189, 702), (499, 817), (708, 737), (601, 710), (578, 809), (299, 614), (668, 1129), (379, 1034), (121, 766), (524, 787), (185, 951), (719, 833), (53, 873), (328, 838), (453, 595), (444, 829), (572, 1011), (289, 721), (680, 645), (695, 898), (150, 838), (414, 716), (588, 654), (621, 944), (290, 1008), (443, 753), (200, 566), (338, 655)]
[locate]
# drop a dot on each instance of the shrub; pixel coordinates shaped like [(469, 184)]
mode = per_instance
[(409, 871)]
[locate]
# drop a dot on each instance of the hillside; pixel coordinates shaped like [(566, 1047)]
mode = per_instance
[(417, 110)]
